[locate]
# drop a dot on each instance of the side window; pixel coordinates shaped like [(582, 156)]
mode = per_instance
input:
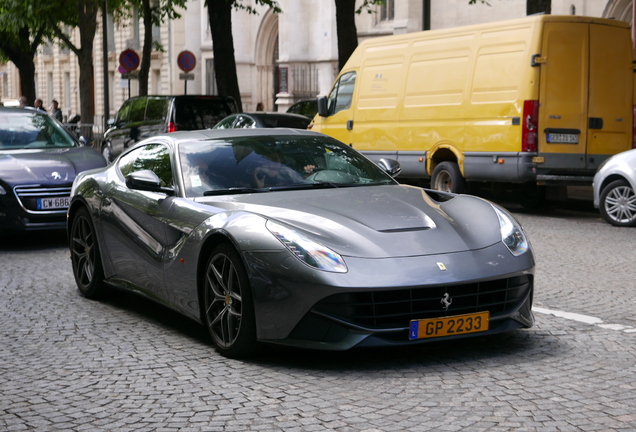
[(157, 109), (138, 110), (244, 123), (225, 123), (124, 112), (342, 93), (153, 157)]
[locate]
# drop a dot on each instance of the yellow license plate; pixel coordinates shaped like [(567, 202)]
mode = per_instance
[(449, 326)]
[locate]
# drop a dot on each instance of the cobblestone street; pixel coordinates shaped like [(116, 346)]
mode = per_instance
[(127, 364)]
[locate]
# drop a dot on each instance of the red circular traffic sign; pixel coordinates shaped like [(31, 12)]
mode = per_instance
[(129, 60), (186, 61)]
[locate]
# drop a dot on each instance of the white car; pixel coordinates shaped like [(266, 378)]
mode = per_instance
[(614, 186)]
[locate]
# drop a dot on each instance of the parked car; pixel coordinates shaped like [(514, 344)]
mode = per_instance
[(39, 160), (306, 107), (145, 116), (328, 251), (263, 120), (614, 185)]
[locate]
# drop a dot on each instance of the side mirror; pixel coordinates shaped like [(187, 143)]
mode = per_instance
[(83, 141), (390, 166), (323, 110), (110, 122), (147, 180)]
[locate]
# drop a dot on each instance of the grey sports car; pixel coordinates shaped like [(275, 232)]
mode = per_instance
[(291, 237)]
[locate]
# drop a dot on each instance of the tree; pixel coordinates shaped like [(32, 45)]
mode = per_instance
[(220, 17), (152, 15), (21, 33), (346, 30), (83, 15)]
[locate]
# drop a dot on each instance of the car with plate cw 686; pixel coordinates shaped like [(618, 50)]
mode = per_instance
[(39, 159), (291, 237)]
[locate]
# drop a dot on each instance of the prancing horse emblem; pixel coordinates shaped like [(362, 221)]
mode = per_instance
[(446, 301), (56, 175)]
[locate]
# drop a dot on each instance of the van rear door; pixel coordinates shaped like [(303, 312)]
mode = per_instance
[(585, 95), (563, 95), (610, 103)]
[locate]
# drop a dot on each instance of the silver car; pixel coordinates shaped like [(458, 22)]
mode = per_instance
[(614, 186), (292, 237)]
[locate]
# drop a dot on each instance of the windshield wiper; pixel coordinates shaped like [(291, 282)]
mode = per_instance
[(316, 185), (233, 191)]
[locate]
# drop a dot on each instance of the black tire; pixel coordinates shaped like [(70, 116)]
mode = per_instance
[(229, 308), (448, 178), (617, 204), (85, 256)]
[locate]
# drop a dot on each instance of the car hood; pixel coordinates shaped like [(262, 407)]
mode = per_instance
[(379, 221), (47, 165)]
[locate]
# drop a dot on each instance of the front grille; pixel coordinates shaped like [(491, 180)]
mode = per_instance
[(395, 308), (28, 197)]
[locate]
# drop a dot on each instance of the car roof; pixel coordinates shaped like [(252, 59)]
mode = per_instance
[(19, 110), (211, 134)]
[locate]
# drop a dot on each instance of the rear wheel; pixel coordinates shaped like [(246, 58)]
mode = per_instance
[(85, 256), (618, 203), (229, 309), (448, 178)]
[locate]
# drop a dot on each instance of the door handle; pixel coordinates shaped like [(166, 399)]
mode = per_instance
[(349, 124), (595, 123)]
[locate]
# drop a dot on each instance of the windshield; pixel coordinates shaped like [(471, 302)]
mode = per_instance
[(20, 130), (268, 163)]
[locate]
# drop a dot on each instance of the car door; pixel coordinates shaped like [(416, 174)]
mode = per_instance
[(340, 121), (133, 223)]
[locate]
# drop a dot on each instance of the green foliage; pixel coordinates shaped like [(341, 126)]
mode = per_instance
[(367, 4), (239, 5)]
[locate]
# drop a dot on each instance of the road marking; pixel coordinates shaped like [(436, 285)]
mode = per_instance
[(585, 319)]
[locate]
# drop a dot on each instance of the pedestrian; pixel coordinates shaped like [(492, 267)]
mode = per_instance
[(22, 101), (55, 110), (259, 106), (38, 104)]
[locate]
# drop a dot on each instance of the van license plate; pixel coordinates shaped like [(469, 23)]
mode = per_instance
[(448, 326), (53, 203), (560, 138)]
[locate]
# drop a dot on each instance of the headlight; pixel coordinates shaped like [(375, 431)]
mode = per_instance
[(512, 234), (307, 250)]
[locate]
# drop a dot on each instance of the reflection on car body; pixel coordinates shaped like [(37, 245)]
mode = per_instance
[(333, 254)]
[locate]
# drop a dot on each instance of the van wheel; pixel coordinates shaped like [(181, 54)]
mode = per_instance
[(448, 178)]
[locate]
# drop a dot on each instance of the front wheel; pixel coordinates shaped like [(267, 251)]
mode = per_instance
[(85, 256), (618, 204), (229, 309), (448, 178)]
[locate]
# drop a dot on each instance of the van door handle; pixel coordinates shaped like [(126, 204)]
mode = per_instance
[(596, 123), (349, 124)]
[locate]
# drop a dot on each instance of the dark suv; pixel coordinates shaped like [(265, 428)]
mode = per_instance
[(145, 116)]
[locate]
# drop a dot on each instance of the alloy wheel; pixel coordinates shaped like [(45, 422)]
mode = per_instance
[(223, 301), (620, 204)]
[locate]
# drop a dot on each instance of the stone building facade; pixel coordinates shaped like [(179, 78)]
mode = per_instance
[(281, 58)]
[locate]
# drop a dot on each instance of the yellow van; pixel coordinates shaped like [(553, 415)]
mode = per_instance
[(540, 100)]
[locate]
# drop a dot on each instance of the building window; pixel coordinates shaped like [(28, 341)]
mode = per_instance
[(387, 10), (210, 78)]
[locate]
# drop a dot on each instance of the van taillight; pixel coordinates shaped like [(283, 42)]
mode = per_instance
[(530, 124), (171, 127)]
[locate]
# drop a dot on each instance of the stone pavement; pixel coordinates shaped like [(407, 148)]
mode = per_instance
[(126, 364)]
